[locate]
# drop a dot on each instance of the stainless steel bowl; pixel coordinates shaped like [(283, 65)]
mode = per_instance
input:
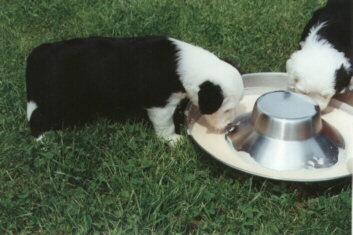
[(290, 126)]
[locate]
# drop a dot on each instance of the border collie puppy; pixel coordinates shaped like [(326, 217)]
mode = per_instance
[(323, 65), (68, 81)]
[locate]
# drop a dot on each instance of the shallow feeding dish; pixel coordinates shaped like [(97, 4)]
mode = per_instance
[(336, 126), (285, 132)]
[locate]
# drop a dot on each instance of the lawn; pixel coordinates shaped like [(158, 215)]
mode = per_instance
[(114, 176)]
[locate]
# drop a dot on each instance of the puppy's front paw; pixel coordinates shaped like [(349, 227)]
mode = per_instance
[(173, 139)]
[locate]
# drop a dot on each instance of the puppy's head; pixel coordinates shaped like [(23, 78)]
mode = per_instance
[(212, 84), (318, 71), (217, 100)]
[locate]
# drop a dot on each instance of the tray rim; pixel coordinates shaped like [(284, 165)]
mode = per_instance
[(248, 84)]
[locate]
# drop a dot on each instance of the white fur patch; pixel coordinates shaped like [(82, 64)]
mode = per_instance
[(31, 106)]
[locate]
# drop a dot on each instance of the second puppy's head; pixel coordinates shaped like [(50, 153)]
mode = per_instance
[(319, 71)]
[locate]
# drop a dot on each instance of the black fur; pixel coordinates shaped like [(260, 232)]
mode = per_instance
[(338, 31), (343, 78), (210, 97), (75, 79)]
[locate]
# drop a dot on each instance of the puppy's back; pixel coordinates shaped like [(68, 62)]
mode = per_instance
[(88, 70)]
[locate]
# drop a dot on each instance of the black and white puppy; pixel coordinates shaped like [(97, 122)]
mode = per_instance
[(70, 80), (323, 65)]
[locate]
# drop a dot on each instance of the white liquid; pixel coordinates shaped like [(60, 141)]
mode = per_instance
[(217, 145)]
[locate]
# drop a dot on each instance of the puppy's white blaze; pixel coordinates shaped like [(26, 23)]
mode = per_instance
[(313, 37), (195, 66), (312, 69), (31, 106)]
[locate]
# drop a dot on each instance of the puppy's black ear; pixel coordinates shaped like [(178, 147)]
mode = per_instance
[(343, 78), (210, 97)]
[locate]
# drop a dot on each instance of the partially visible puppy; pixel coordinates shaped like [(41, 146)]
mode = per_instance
[(323, 65), (70, 80)]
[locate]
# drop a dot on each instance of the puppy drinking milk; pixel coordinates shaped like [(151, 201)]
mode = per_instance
[(323, 65), (70, 80)]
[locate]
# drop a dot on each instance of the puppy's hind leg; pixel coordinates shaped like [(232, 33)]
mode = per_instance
[(162, 119), (39, 122)]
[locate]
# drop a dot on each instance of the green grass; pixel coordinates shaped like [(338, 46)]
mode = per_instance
[(115, 177)]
